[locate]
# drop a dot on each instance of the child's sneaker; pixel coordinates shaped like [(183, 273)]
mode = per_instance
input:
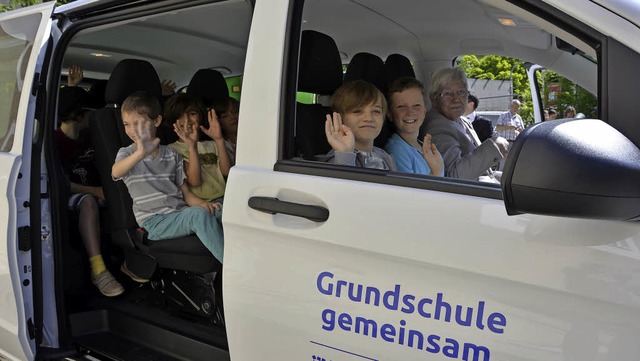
[(133, 276), (107, 285)]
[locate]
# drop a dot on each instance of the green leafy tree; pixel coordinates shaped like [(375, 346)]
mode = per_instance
[(504, 68), (560, 93), (496, 67), (15, 4)]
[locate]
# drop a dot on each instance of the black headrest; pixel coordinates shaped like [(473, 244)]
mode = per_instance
[(131, 75), (96, 93), (320, 66), (72, 101), (208, 85), (397, 66), (369, 67)]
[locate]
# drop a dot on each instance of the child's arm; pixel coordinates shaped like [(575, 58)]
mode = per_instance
[(432, 157), (215, 132), (123, 166), (341, 139), (339, 136), (189, 135), (145, 145), (192, 200)]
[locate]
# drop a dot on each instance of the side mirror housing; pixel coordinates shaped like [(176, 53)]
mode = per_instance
[(573, 168)]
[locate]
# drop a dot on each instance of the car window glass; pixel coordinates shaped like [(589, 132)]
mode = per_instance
[(16, 38), (513, 39)]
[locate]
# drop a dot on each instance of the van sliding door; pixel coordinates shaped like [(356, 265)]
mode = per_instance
[(22, 37)]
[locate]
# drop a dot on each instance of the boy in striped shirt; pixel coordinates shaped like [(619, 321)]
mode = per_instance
[(155, 177)]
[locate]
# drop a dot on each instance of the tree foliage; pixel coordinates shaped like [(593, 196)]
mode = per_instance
[(496, 67), (505, 68), (569, 94), (15, 4)]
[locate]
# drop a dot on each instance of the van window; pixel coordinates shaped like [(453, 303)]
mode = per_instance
[(16, 41), (509, 51)]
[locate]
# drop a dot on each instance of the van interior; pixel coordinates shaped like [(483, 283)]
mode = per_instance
[(135, 45)]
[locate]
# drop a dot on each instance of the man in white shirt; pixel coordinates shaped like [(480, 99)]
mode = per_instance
[(510, 123)]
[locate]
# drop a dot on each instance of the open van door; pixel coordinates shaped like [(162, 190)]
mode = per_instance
[(22, 40)]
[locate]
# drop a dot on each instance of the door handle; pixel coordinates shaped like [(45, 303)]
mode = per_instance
[(274, 205)]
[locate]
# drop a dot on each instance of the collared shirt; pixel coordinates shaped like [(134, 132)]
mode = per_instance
[(465, 126), (154, 182), (471, 116), (510, 119)]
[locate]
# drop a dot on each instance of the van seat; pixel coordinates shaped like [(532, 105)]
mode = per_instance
[(108, 136), (319, 72), (209, 85), (369, 67), (397, 66)]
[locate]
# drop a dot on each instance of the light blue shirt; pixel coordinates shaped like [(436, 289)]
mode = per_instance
[(408, 159)]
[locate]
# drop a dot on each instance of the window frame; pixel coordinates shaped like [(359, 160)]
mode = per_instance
[(287, 164)]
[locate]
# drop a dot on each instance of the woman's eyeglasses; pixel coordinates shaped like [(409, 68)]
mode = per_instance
[(449, 95)]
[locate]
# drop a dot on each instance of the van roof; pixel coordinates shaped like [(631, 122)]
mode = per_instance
[(430, 32)]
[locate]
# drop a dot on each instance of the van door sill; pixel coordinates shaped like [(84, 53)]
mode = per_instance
[(115, 336)]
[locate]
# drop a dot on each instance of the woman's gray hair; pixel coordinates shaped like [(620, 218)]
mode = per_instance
[(445, 76)]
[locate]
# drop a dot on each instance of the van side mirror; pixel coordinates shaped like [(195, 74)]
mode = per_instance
[(573, 168)]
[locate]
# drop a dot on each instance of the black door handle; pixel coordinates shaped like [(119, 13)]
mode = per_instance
[(274, 205)]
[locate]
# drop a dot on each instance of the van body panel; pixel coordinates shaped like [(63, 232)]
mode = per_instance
[(531, 270), (262, 84), (526, 273)]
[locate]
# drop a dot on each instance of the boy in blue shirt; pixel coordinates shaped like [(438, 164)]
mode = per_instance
[(407, 110)]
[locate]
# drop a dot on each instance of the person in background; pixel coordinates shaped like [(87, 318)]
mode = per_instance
[(481, 125), (464, 155), (358, 113), (227, 110), (77, 157), (570, 112), (407, 110), (552, 114), (510, 123)]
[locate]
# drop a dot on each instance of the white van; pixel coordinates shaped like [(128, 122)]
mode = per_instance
[(326, 262)]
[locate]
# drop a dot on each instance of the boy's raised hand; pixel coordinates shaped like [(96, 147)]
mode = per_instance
[(145, 140), (75, 75), (432, 156), (168, 87), (339, 136), (215, 130), (187, 132)]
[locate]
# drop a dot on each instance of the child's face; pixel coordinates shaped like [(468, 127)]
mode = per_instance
[(365, 123), (133, 120), (229, 120), (190, 119), (407, 110)]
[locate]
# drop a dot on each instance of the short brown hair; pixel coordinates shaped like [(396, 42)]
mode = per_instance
[(401, 84), (143, 103), (356, 94), (404, 83), (179, 104)]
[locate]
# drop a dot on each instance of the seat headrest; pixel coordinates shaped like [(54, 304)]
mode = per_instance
[(397, 66), (320, 66), (208, 85), (129, 76), (369, 67), (96, 93)]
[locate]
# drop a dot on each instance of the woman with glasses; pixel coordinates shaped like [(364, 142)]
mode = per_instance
[(464, 155)]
